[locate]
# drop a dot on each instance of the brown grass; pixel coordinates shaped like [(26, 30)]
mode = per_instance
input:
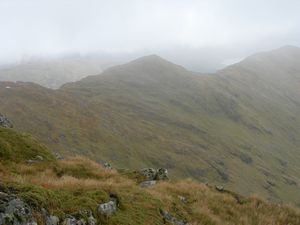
[(204, 206), (97, 177)]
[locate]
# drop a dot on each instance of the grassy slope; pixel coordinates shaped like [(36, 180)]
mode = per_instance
[(21, 147), (77, 183), (238, 127)]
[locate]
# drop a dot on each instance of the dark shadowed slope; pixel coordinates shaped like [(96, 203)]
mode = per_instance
[(239, 127)]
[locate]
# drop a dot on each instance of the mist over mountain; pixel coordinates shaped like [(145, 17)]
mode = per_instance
[(238, 127), (52, 72), (56, 70), (161, 112)]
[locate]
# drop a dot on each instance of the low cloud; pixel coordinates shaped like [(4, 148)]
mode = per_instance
[(229, 28)]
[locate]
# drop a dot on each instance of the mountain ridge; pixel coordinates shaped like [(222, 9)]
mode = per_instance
[(214, 128)]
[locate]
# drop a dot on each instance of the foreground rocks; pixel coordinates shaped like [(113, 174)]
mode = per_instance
[(5, 122), (13, 211), (152, 176)]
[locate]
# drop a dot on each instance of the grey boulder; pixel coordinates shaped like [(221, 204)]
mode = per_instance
[(107, 166), (149, 173), (162, 174), (219, 188), (52, 220), (108, 208), (167, 217), (13, 211), (4, 122)]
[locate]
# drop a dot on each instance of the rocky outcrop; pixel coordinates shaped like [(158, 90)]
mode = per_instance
[(107, 166), (219, 188), (4, 122), (13, 211), (58, 156), (108, 208), (167, 217), (152, 176), (162, 174), (155, 174), (149, 173)]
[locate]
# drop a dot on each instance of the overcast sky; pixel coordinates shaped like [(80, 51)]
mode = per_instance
[(177, 29)]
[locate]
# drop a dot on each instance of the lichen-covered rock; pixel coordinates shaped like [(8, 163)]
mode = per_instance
[(219, 188), (107, 166), (92, 220), (39, 158), (70, 220), (162, 174), (149, 173), (167, 217), (4, 122), (108, 208), (148, 183), (182, 199), (52, 220), (84, 217), (58, 156), (13, 211), (153, 174)]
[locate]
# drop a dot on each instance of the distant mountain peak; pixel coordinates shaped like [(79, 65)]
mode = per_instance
[(283, 56), (288, 48), (154, 63), (151, 59)]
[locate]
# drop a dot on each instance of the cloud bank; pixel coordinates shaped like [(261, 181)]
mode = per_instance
[(228, 28)]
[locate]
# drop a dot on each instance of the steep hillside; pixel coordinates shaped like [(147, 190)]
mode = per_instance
[(21, 147), (79, 191), (239, 127)]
